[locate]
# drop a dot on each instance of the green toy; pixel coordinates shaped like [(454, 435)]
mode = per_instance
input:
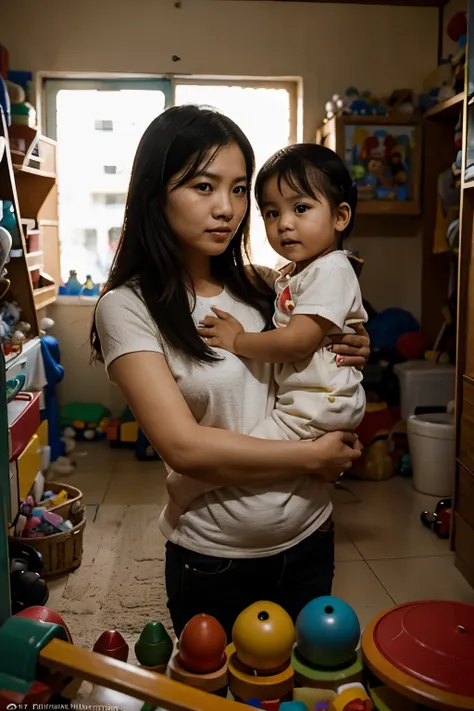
[(154, 647), (21, 641)]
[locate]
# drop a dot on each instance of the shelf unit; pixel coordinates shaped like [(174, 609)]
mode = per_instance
[(439, 154), (33, 181), (21, 288), (332, 133), (462, 530)]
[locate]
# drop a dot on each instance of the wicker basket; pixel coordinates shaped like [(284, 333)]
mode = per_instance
[(63, 510), (62, 552)]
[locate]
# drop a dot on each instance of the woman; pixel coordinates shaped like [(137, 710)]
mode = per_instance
[(265, 531)]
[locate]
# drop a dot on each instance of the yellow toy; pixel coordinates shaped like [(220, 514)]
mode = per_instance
[(351, 697), (259, 656)]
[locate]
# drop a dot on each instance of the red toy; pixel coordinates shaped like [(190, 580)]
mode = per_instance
[(440, 520), (424, 650), (44, 614), (112, 644)]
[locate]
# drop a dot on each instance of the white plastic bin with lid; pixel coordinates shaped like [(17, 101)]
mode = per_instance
[(432, 450), (424, 384)]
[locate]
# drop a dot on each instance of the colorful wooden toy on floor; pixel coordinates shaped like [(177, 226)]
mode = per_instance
[(424, 651), (154, 647), (201, 659), (45, 615), (327, 635), (351, 697), (259, 656), (112, 644)]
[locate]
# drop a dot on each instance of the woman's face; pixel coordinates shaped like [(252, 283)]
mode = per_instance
[(206, 212)]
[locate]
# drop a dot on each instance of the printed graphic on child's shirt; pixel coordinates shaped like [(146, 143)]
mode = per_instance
[(285, 302)]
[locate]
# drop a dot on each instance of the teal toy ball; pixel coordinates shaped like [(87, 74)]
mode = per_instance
[(327, 632)]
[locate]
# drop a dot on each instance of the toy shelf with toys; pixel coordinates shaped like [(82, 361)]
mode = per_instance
[(383, 153)]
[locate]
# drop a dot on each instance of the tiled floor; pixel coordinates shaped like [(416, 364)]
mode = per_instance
[(383, 553)]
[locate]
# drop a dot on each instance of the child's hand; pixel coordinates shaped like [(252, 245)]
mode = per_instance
[(221, 332)]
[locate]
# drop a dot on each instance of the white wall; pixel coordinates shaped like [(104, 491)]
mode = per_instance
[(330, 46)]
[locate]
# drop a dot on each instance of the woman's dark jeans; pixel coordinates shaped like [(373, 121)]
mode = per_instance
[(224, 587)]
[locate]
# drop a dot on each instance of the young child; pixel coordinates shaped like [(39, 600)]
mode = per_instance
[(307, 199)]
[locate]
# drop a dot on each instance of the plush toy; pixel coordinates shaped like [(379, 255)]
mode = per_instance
[(402, 101), (60, 463)]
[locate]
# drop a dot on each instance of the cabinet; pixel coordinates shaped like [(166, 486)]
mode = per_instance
[(463, 520)]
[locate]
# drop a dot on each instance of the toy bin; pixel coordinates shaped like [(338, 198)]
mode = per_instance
[(424, 385), (64, 509), (23, 421), (62, 552), (432, 450)]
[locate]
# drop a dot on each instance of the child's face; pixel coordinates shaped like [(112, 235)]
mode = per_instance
[(298, 227)]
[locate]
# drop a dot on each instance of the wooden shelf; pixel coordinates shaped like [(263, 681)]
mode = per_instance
[(391, 120), (34, 260), (45, 294), (33, 171), (390, 3), (468, 184), (388, 207), (446, 109)]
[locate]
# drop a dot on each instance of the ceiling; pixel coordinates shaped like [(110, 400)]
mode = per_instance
[(393, 3)]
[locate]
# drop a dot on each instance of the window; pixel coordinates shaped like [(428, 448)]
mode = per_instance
[(98, 124), (101, 125)]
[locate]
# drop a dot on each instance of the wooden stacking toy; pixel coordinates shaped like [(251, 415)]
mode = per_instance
[(351, 697), (201, 660), (112, 644), (327, 636), (259, 656), (154, 647)]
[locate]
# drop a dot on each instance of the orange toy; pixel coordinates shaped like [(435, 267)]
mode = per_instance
[(201, 660), (202, 644), (259, 657)]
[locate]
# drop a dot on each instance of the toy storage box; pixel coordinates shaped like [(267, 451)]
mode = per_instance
[(424, 385)]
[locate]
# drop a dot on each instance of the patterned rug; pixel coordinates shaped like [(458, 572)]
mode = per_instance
[(121, 581)]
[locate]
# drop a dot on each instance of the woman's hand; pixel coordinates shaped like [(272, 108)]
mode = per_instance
[(352, 348), (336, 452), (221, 331)]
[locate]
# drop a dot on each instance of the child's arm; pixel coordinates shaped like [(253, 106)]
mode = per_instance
[(296, 341)]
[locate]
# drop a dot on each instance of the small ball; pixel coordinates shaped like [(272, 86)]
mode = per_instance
[(327, 632), (202, 645), (263, 635)]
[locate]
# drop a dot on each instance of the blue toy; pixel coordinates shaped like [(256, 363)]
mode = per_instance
[(89, 288), (72, 287), (327, 632), (54, 372)]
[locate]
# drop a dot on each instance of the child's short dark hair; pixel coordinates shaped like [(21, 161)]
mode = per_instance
[(312, 169)]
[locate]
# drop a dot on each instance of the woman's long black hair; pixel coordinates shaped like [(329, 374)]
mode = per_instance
[(311, 169), (149, 258)]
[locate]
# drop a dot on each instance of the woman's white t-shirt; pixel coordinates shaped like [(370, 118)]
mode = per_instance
[(233, 394)]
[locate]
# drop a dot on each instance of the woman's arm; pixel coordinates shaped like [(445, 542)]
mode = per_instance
[(209, 454), (297, 341)]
